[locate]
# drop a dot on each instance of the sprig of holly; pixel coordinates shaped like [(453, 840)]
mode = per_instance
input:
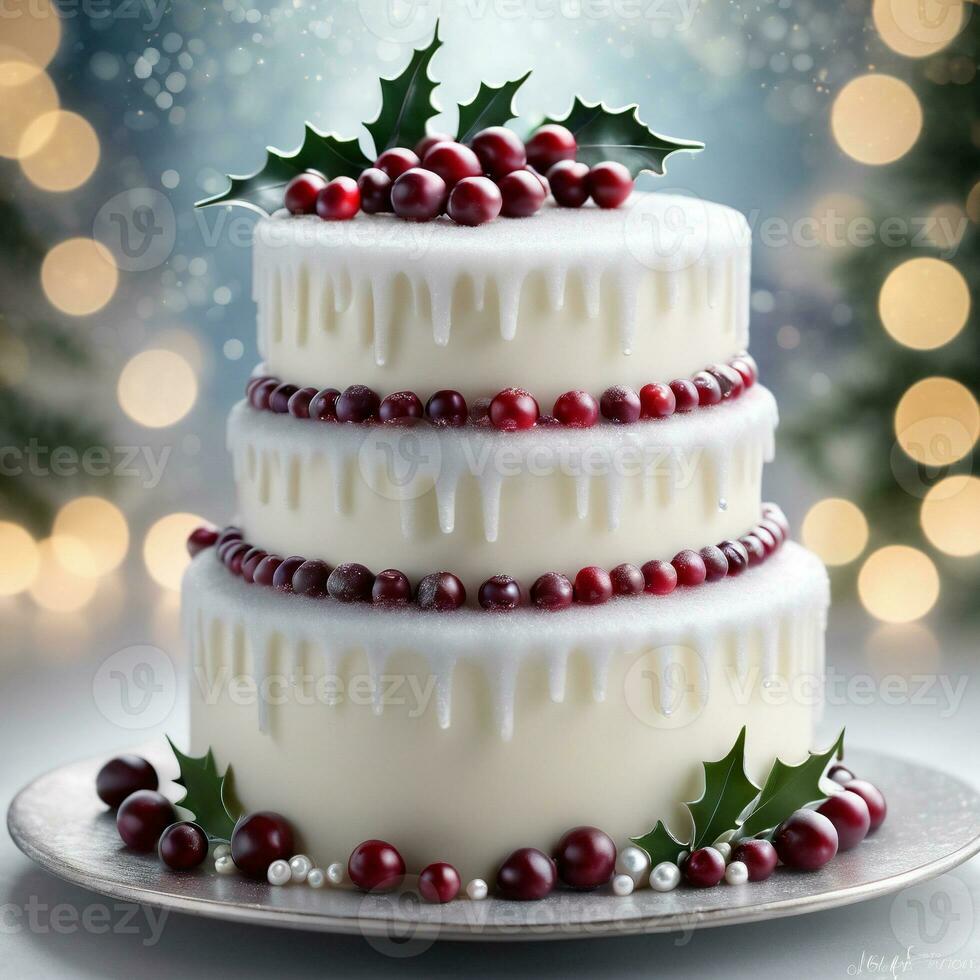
[(207, 793)]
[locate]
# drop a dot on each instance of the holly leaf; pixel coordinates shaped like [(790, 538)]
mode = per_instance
[(489, 107), (207, 794), (619, 134), (727, 792), (660, 844), (788, 788), (262, 191), (406, 102)]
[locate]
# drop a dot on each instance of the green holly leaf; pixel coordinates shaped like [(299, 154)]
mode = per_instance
[(660, 844), (788, 788), (490, 107), (727, 792), (406, 102), (618, 134), (262, 191), (207, 794)]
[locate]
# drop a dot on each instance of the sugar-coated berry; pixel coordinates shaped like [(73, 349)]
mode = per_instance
[(840, 774), (715, 563), (736, 555), (627, 580), (877, 808), (350, 582), (299, 402), (323, 406), (376, 866), (265, 571), (499, 150), (250, 563), (772, 512), (552, 591), (775, 529), (418, 195), (452, 162), (474, 201), (569, 182), (753, 548), (745, 364), (657, 401), (620, 404), (689, 566), (522, 194), (660, 577), (230, 533), (577, 409), (391, 588), (310, 578), (709, 391), (685, 395), (123, 775), (375, 188), (585, 857), (200, 539), (593, 586), (850, 816), (729, 380), (513, 409), (142, 817), (234, 555), (183, 846), (610, 184), (526, 876), (805, 840), (396, 161), (253, 383), (439, 883), (340, 200), (441, 591), (549, 144), (282, 580), (427, 142), (447, 407), (400, 406), (766, 538), (704, 868), (259, 839), (279, 398), (259, 395), (301, 192), (358, 403), (500, 593), (759, 856)]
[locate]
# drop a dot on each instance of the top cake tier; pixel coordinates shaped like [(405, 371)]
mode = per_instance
[(571, 298)]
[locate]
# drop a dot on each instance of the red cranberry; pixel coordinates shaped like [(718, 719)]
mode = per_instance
[(552, 591), (715, 563), (250, 563), (123, 775), (399, 406), (585, 857), (709, 391), (350, 582), (610, 184), (776, 530), (310, 579), (499, 150), (747, 368), (418, 195), (340, 200), (283, 578), (753, 548), (447, 407), (767, 539), (234, 556), (657, 401), (850, 816), (358, 403), (593, 586), (736, 556), (500, 593), (227, 534), (805, 840), (690, 567), (729, 380), (441, 591), (569, 183), (474, 201), (259, 398), (685, 395), (840, 774), (577, 409), (142, 817), (527, 875), (396, 161), (627, 580), (660, 577), (759, 856), (548, 145), (391, 588), (522, 194), (427, 142), (452, 162), (265, 571), (772, 512), (183, 846), (299, 403), (704, 868), (201, 538), (375, 866), (279, 398), (513, 409), (375, 188), (301, 192), (877, 808), (323, 406), (620, 404), (439, 883), (253, 383), (259, 839)]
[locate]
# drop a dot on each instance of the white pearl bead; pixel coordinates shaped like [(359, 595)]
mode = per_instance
[(224, 865), (725, 850), (315, 878), (737, 873), (278, 873), (665, 877), (300, 866), (335, 873), (635, 862), (222, 850), (622, 885), (477, 890)]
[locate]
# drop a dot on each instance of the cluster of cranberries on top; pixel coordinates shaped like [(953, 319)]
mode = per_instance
[(495, 174)]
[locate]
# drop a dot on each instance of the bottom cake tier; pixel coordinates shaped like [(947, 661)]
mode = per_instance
[(459, 737)]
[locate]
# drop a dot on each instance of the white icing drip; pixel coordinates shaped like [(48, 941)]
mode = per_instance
[(381, 295), (557, 675), (583, 492)]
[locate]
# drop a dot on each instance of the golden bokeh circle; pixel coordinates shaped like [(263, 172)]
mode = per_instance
[(918, 28), (24, 98), (973, 203), (951, 515), (31, 32), (937, 421), (165, 548), (99, 526), (924, 303), (79, 276), (898, 584), (836, 529), (59, 151), (57, 587), (19, 559), (876, 119), (946, 226), (835, 213), (157, 388)]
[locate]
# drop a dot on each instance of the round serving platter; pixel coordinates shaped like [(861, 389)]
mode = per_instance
[(933, 826)]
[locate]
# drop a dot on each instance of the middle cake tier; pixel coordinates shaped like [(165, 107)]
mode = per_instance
[(478, 502)]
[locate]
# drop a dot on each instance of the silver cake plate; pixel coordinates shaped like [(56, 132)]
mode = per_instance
[(933, 826)]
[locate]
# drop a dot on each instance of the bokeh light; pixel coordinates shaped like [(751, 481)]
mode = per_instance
[(165, 548), (57, 587), (924, 303), (937, 421), (973, 203), (898, 584), (836, 529), (876, 119), (951, 515), (917, 28), (947, 223), (19, 559), (101, 529), (835, 213), (31, 32), (24, 99), (157, 388), (58, 151), (79, 276)]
